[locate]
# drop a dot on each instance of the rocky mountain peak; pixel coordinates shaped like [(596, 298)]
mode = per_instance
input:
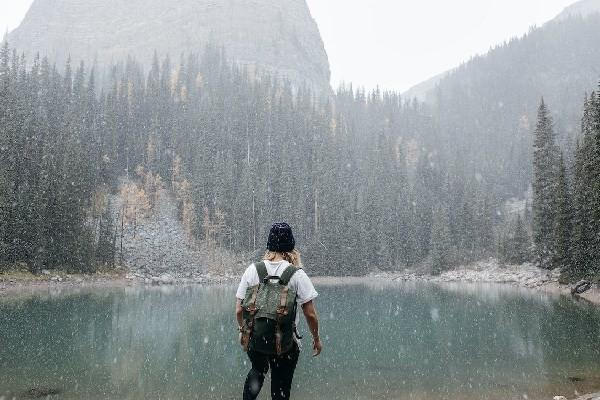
[(276, 35)]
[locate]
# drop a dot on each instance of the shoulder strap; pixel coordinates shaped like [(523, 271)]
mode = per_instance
[(261, 268), (287, 274)]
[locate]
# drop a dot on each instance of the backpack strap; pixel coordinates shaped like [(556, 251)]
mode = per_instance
[(281, 312), (287, 274), (261, 269)]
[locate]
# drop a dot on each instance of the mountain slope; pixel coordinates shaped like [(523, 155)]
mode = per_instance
[(486, 108), (277, 35), (424, 91), (582, 8)]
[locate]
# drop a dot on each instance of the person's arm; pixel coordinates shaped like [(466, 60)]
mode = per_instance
[(241, 292), (312, 319), (239, 312), (239, 316)]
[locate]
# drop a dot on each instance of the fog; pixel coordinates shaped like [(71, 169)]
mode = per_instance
[(398, 44)]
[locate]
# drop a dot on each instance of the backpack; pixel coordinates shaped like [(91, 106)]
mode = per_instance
[(269, 312)]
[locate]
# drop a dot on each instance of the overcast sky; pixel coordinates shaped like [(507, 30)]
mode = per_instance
[(398, 43)]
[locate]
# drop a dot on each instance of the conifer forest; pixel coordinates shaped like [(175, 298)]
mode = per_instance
[(366, 178)]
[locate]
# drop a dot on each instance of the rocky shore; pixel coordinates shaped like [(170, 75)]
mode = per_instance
[(491, 271), (591, 396), (12, 283)]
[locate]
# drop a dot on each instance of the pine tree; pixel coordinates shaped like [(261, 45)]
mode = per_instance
[(563, 230), (581, 240), (514, 244), (593, 171), (440, 241), (545, 161), (521, 243)]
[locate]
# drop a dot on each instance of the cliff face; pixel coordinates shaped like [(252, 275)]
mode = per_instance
[(276, 35)]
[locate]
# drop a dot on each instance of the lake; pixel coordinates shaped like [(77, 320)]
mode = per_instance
[(381, 341)]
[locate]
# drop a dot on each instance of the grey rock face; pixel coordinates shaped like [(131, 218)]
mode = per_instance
[(158, 247), (275, 35)]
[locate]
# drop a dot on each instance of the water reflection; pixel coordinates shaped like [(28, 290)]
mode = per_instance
[(383, 341)]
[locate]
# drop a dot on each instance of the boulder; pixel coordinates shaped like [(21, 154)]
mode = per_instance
[(581, 287), (164, 279)]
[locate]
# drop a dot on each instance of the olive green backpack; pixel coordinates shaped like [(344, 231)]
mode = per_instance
[(269, 312)]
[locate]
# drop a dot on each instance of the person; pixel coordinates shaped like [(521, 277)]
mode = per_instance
[(280, 255)]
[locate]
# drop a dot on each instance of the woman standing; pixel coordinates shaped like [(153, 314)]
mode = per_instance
[(269, 294)]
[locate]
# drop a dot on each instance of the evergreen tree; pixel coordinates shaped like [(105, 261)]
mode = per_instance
[(593, 171), (545, 160), (521, 243), (440, 241), (563, 230), (514, 244)]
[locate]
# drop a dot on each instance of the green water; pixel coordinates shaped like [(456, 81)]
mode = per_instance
[(404, 341)]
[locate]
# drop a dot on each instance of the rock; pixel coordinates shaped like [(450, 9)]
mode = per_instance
[(559, 398), (41, 392), (581, 287), (278, 36), (164, 279), (45, 272)]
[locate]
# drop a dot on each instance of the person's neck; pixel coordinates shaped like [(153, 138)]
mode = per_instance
[(278, 258)]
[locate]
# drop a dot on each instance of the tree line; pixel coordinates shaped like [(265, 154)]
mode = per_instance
[(357, 174), (566, 207), (51, 168)]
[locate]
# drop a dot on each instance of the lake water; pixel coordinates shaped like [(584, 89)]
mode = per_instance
[(382, 341)]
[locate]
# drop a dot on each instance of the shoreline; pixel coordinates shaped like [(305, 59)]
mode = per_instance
[(483, 272)]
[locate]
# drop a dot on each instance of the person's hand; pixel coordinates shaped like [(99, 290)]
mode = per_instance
[(317, 346)]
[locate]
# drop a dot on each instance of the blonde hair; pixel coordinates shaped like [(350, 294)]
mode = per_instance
[(293, 257)]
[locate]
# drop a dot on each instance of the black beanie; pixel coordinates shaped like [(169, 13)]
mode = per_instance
[(281, 238)]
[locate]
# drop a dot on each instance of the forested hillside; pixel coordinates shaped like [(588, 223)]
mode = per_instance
[(566, 207), (357, 175), (487, 106)]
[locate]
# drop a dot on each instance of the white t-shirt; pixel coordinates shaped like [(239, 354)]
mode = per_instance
[(300, 282)]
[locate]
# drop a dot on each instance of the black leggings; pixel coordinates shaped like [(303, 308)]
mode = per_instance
[(282, 373)]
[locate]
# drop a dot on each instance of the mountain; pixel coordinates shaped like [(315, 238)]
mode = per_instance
[(279, 36), (582, 8), (485, 110), (424, 91)]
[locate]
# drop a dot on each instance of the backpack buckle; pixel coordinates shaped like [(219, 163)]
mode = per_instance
[(269, 277), (282, 310)]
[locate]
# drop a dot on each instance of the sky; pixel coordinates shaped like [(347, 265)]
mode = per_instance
[(396, 44)]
